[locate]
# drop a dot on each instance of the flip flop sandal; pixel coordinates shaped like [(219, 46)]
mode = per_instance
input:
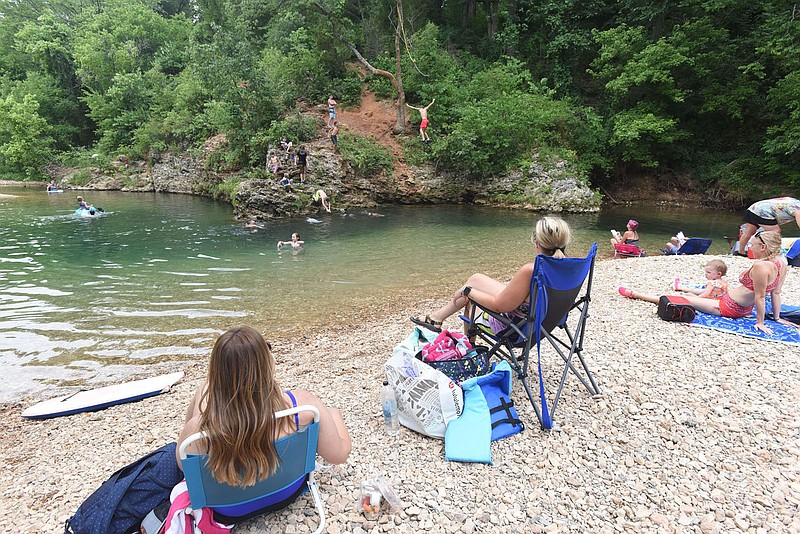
[(430, 324)]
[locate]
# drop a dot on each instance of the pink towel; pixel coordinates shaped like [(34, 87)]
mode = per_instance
[(182, 519)]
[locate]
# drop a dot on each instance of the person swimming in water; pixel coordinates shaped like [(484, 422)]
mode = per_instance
[(295, 243)]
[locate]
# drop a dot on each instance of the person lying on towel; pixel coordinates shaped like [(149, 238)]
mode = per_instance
[(766, 275)]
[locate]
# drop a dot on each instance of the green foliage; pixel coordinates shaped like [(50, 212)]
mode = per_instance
[(226, 190), (364, 154), (784, 137), (709, 88), (302, 200), (24, 138), (83, 158), (347, 89), (413, 151), (81, 177), (638, 131), (127, 37), (297, 128), (504, 116)]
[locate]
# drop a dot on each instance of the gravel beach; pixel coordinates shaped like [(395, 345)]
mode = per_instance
[(698, 431)]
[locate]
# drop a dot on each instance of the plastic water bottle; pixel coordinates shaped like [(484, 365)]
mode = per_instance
[(389, 404)]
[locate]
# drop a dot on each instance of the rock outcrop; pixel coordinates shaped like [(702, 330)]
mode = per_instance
[(548, 184)]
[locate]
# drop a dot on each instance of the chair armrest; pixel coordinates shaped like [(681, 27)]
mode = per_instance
[(509, 323)]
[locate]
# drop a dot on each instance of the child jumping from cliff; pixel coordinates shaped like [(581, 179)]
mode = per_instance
[(423, 125)]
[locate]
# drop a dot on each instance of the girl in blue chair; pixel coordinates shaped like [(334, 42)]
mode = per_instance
[(550, 237), (236, 406)]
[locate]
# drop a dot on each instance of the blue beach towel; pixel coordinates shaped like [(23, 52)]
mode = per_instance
[(746, 325)]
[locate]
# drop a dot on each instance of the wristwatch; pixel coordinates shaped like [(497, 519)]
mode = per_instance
[(465, 291)]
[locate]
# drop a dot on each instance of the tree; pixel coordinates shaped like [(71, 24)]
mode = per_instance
[(24, 137), (395, 79)]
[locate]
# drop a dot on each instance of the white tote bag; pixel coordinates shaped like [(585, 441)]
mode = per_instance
[(426, 398), (415, 341)]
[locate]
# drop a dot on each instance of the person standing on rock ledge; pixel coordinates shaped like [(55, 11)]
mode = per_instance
[(302, 162), (423, 125), (334, 133), (331, 111)]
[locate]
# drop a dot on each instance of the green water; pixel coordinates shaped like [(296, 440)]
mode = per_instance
[(159, 275)]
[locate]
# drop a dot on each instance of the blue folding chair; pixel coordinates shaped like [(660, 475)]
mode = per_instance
[(554, 293), (693, 245), (234, 504)]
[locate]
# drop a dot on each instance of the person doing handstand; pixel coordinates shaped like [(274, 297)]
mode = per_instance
[(716, 286), (766, 275), (550, 237), (423, 125)]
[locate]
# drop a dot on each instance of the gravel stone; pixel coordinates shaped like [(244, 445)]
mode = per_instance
[(696, 430)]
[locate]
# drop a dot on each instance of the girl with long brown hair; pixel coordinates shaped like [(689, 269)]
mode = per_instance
[(236, 407)]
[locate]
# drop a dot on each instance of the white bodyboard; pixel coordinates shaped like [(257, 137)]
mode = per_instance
[(97, 399)]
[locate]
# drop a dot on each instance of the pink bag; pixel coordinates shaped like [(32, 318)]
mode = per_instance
[(447, 346)]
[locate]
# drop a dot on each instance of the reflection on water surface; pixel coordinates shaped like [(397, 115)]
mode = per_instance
[(159, 275)]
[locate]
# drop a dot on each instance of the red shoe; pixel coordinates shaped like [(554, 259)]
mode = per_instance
[(625, 292)]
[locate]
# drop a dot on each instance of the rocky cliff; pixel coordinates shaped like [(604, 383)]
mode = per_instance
[(547, 184)]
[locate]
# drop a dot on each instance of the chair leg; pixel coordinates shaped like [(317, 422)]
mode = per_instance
[(312, 485), (578, 351)]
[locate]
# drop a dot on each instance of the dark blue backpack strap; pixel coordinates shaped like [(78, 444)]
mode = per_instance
[(122, 501), (294, 405)]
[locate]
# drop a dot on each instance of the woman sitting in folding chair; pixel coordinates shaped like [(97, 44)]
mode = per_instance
[(550, 237), (236, 405)]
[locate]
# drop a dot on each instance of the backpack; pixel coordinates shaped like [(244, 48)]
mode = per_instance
[(678, 309), (120, 504)]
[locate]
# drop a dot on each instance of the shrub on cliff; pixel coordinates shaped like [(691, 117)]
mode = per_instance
[(365, 155)]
